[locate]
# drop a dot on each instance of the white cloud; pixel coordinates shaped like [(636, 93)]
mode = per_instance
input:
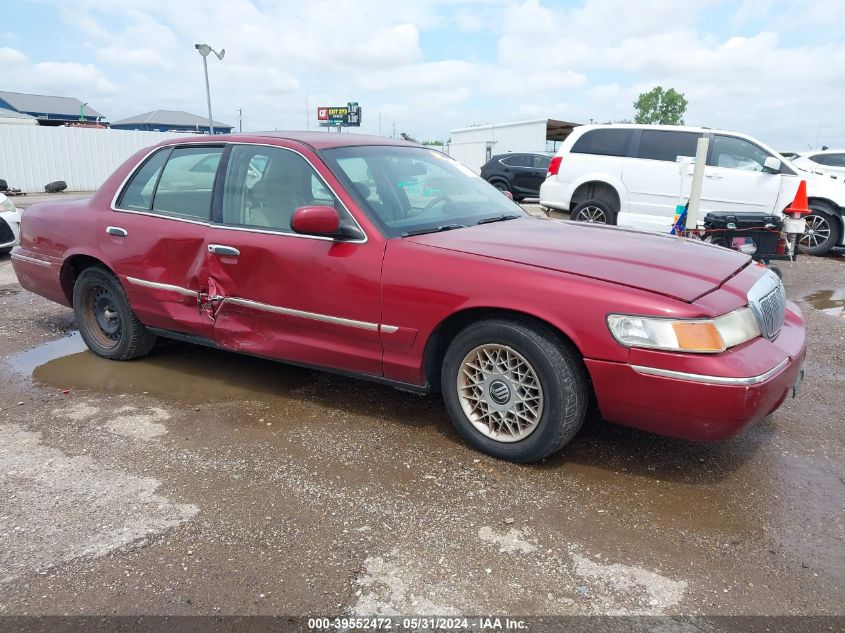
[(417, 62)]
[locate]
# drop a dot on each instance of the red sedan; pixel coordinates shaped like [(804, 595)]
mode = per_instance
[(392, 262)]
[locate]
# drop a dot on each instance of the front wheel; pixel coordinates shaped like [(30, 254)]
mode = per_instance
[(821, 233), (594, 212), (513, 389), (106, 322)]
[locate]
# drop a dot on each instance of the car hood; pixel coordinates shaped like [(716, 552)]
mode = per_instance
[(667, 265)]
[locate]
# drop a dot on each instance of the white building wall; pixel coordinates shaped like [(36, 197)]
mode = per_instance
[(469, 145), (33, 155)]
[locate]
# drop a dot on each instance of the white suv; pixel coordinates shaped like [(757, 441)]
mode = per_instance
[(628, 175), (10, 221), (830, 162)]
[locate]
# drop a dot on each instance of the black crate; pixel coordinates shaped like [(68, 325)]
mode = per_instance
[(756, 234)]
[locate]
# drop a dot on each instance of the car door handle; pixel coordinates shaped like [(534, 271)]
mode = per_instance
[(116, 230), (220, 249), (714, 176)]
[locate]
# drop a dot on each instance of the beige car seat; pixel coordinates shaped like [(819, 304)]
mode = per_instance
[(279, 192)]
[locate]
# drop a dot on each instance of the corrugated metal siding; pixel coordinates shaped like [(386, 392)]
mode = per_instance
[(31, 155)]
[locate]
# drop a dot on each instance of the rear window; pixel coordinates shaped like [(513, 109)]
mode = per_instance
[(660, 145), (607, 142)]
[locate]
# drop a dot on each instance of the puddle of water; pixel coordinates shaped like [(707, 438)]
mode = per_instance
[(8, 292), (830, 302), (174, 371)]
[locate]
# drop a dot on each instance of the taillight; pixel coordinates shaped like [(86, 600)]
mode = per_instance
[(554, 166)]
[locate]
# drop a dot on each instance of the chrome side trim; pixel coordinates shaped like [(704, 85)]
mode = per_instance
[(31, 260), (266, 307), (712, 380), (256, 305), (157, 286)]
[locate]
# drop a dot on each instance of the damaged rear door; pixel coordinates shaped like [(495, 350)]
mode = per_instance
[(156, 237), (274, 293)]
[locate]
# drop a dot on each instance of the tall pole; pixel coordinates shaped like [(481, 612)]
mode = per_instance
[(207, 94), (240, 119), (307, 114)]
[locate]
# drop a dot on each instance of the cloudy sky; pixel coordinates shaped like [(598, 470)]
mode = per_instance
[(773, 69)]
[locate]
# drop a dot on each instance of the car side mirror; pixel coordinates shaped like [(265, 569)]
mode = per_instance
[(323, 221), (771, 165), (508, 195)]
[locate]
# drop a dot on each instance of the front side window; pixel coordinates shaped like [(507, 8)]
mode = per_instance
[(409, 189), (185, 187), (606, 142), (265, 185), (736, 153), (667, 145)]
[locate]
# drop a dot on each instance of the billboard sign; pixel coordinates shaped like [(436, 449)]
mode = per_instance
[(340, 116)]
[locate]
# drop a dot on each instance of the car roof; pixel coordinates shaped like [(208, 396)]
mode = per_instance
[(316, 140), (822, 152)]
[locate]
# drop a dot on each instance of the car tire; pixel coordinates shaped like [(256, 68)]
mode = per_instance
[(594, 212), (494, 370), (4, 186), (822, 232), (501, 185), (106, 322), (55, 187)]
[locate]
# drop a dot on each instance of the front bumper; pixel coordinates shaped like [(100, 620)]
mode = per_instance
[(668, 394)]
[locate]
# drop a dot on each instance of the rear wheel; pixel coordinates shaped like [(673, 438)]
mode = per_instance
[(513, 390), (821, 233), (106, 322), (594, 212), (501, 185)]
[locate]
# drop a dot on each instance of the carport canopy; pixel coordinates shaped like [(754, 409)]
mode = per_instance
[(559, 130)]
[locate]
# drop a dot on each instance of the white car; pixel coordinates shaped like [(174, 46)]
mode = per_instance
[(628, 175), (829, 162), (10, 222)]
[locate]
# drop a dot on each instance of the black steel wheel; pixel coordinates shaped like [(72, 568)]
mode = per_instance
[(106, 322)]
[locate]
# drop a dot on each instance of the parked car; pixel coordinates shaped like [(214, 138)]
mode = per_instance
[(628, 175), (10, 219), (830, 162), (389, 261), (520, 173)]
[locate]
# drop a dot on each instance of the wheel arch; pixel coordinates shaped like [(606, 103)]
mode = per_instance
[(72, 266), (597, 189), (447, 329)]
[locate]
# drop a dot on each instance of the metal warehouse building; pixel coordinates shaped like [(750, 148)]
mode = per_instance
[(49, 110), (474, 146), (170, 121)]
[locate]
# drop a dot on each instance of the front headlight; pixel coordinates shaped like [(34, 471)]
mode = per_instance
[(701, 336)]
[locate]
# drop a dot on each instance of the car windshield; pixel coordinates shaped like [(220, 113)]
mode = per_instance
[(412, 190)]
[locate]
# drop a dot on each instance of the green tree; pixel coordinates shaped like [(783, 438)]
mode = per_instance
[(664, 107)]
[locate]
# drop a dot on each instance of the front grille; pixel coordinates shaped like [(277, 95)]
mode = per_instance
[(6, 234), (767, 299)]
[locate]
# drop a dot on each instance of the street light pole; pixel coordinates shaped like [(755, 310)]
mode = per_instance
[(204, 50)]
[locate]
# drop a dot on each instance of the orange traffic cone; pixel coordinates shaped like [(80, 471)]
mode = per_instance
[(799, 206)]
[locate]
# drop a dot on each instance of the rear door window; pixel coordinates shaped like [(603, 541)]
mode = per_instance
[(517, 160), (606, 142), (186, 183), (667, 145)]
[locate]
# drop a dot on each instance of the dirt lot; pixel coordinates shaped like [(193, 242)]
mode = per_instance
[(196, 481)]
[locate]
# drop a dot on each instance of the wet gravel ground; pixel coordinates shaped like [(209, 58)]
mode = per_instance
[(201, 482)]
